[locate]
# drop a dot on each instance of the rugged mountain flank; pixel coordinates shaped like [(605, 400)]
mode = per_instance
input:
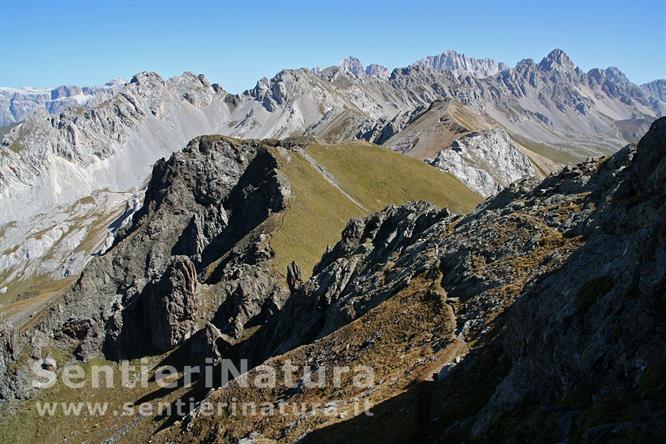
[(113, 143), (215, 246), (57, 159), (538, 317)]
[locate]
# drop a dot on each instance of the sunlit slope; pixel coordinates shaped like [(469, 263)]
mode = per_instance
[(333, 183)]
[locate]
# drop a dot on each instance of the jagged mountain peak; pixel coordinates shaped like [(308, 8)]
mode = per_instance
[(147, 77), (524, 63), (461, 65), (152, 79), (557, 59), (375, 70), (352, 65), (614, 73)]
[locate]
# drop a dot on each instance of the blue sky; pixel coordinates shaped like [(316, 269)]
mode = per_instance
[(45, 44)]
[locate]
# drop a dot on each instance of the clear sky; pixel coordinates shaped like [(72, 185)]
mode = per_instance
[(48, 43)]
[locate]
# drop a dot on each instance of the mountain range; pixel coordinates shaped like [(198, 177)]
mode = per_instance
[(101, 143), (553, 107), (537, 317), (490, 239), (17, 104)]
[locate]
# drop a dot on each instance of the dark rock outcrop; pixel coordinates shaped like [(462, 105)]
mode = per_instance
[(294, 280), (193, 259), (173, 304)]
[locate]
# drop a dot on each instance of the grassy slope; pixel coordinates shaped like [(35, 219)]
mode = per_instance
[(316, 215), (374, 176), (410, 323), (377, 177)]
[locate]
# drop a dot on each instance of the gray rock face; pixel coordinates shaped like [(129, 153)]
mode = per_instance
[(173, 304), (486, 162), (379, 71), (352, 66), (461, 65), (656, 90)]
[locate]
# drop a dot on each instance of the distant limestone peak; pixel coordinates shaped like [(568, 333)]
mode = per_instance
[(374, 70), (352, 66), (461, 65), (557, 60)]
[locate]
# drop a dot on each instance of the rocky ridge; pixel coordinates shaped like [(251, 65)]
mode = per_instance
[(195, 227), (17, 104), (549, 300)]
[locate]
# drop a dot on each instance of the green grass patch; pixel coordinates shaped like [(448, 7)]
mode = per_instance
[(315, 217), (35, 285), (373, 176), (378, 177), (25, 423)]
